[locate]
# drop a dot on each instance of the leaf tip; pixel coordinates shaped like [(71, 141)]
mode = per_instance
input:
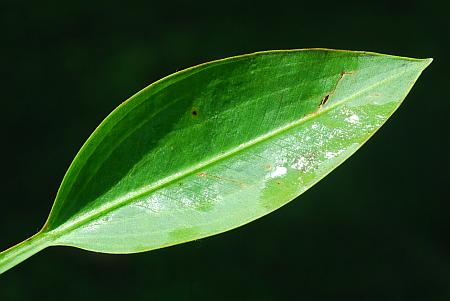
[(426, 62), (421, 64)]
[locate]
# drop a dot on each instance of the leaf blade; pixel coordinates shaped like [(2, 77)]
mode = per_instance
[(197, 207)]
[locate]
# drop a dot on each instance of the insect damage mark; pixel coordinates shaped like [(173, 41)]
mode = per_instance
[(331, 93), (326, 98)]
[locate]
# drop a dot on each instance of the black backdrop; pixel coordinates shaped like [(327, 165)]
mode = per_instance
[(377, 228)]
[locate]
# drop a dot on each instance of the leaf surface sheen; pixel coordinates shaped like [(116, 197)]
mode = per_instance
[(218, 145)]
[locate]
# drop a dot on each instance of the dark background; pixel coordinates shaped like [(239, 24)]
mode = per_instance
[(377, 228)]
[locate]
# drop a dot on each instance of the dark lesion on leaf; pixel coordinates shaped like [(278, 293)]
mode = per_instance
[(324, 100), (194, 112)]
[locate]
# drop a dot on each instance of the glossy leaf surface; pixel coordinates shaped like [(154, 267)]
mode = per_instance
[(218, 145)]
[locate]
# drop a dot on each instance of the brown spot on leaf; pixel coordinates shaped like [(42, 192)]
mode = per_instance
[(268, 167)]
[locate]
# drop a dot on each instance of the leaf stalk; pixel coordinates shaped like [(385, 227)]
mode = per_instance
[(18, 253)]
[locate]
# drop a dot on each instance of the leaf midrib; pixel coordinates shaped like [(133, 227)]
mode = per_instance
[(130, 197)]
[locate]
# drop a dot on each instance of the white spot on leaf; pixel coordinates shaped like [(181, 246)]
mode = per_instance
[(352, 119), (278, 172)]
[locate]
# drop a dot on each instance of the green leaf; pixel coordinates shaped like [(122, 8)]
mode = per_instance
[(218, 145)]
